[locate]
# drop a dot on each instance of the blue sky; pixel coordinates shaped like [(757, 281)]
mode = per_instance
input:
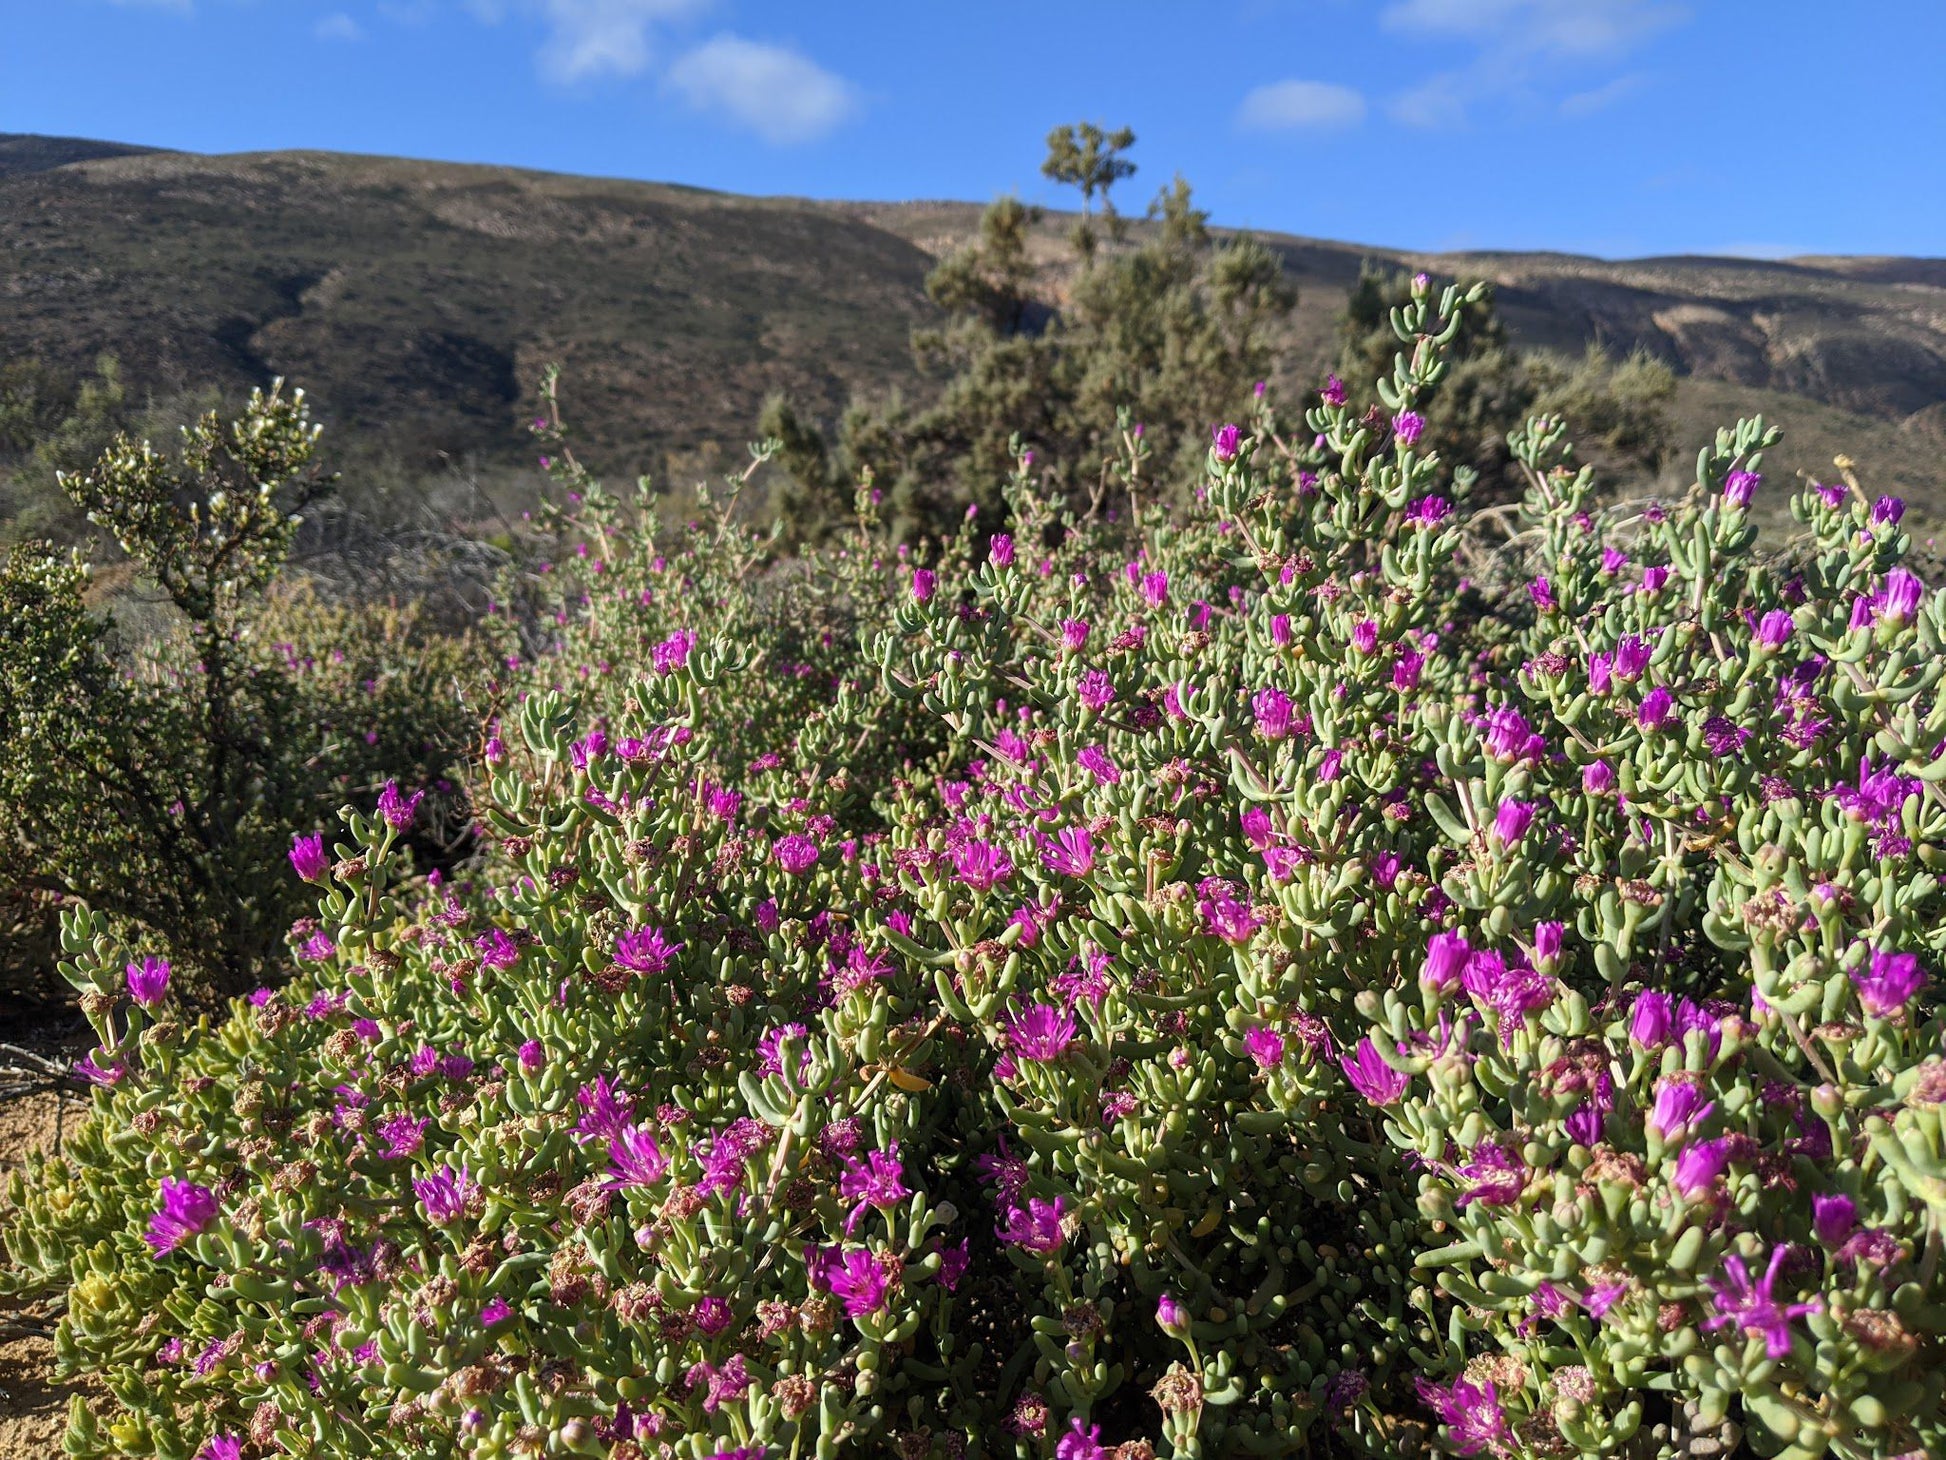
[(1614, 127)]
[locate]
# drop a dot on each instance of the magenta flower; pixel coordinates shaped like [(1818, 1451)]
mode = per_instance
[(1081, 1443), (1224, 441), (1428, 511), (1898, 599), (1888, 983), (1774, 629), (1074, 634), (1509, 738), (1072, 853), (854, 1277), (103, 1075), (635, 1158), (1497, 1176), (1679, 1111), (1652, 1019), (1740, 486), (1171, 1316), (981, 865), (1833, 1218), (399, 811), (148, 981), (1333, 393), (605, 1110), (1265, 1046), (1224, 915), (877, 1181), (1753, 1307), (1041, 1033), (1371, 1076), (1095, 761), (221, 1447), (1472, 1413), (1447, 955), (1655, 710), (1155, 589), (796, 854), (1000, 551), (1095, 690), (1273, 710), (1598, 778), (402, 1134), (924, 581), (1510, 823), (672, 653), (497, 950), (1408, 426), (308, 857), (186, 1210), (445, 1193), (1039, 1227), (1699, 1165), (645, 951)]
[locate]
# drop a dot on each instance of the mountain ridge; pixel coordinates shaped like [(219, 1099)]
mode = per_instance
[(417, 302)]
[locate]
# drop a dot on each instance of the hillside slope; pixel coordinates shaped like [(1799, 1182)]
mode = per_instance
[(417, 301)]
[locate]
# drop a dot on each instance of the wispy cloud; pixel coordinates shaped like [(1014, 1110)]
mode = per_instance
[(772, 91), (1543, 27), (1285, 106), (605, 37), (338, 26), (1516, 43), (1587, 103)]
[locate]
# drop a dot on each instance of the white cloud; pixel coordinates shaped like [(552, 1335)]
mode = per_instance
[(1518, 45), (1436, 104), (1546, 27), (1587, 103), (597, 37), (780, 95), (1289, 105), (338, 26)]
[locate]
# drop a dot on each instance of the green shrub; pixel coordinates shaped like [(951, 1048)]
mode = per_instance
[(1297, 1004), (154, 780)]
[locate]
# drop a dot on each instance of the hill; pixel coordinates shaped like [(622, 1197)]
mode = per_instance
[(417, 301)]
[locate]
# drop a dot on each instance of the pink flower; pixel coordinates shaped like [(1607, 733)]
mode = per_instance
[(148, 981), (1041, 1033), (924, 580), (1265, 1046), (399, 811), (186, 1210), (1038, 1227), (1224, 441), (1072, 853), (877, 1181), (645, 951), (635, 1158), (796, 854), (1408, 426), (1888, 983), (1753, 1307), (308, 857), (1472, 1412), (1371, 1076)]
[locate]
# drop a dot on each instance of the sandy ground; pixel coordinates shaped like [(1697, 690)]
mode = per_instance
[(33, 1405)]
